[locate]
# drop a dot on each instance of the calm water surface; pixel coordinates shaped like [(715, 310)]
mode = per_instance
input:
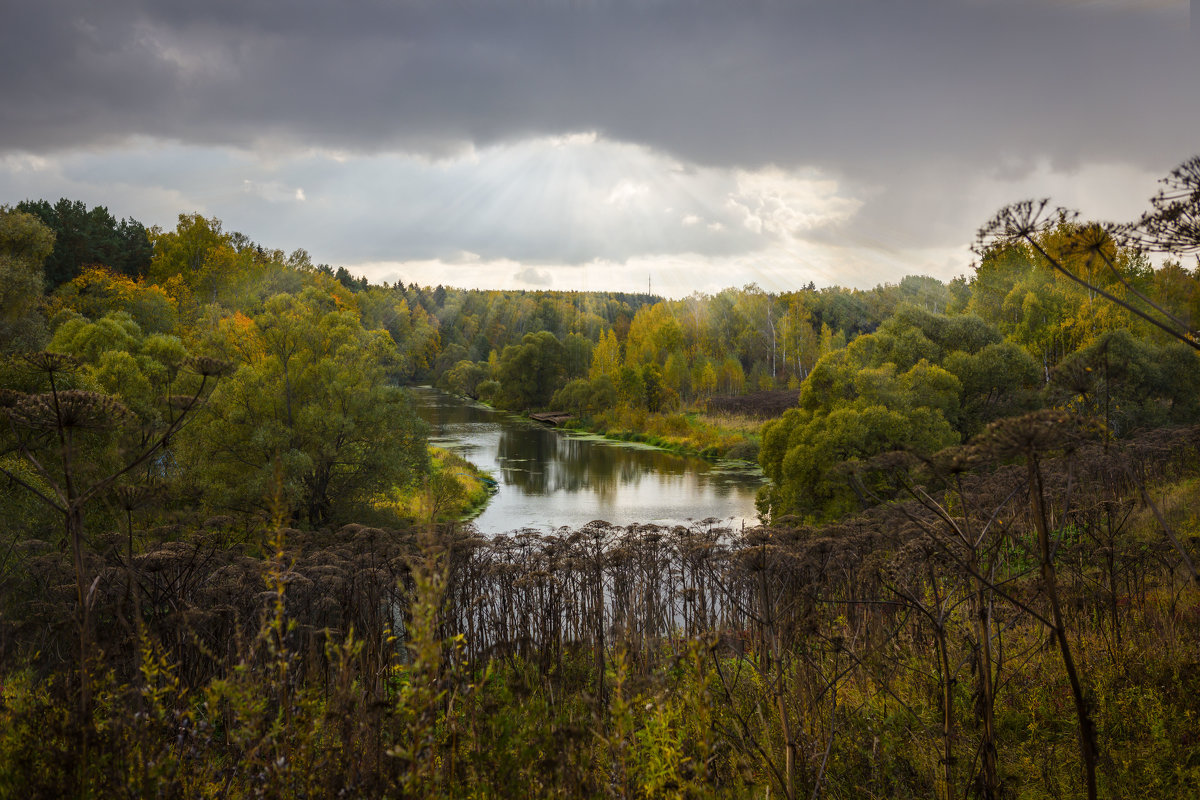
[(549, 478)]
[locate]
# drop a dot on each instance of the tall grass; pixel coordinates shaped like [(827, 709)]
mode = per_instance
[(839, 661)]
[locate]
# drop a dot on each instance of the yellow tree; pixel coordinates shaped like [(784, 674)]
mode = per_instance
[(98, 290), (606, 357), (653, 334)]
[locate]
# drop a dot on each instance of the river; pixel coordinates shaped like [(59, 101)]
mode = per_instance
[(550, 478)]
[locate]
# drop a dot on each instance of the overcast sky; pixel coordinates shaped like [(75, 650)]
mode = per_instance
[(597, 145)]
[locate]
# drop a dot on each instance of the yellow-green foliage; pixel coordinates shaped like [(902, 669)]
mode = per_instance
[(713, 435), (688, 720), (1179, 503), (33, 738), (454, 490)]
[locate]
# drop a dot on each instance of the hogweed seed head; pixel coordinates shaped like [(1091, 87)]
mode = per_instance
[(70, 409), (1029, 434), (52, 363), (207, 366)]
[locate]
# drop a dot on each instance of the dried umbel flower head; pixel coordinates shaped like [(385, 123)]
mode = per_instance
[(52, 363), (130, 498), (70, 409), (1093, 239), (956, 460), (1174, 225), (894, 461), (1036, 432), (1019, 221), (1075, 378), (10, 398), (207, 366), (182, 402)]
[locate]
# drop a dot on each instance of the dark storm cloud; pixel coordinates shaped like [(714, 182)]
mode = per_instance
[(853, 86)]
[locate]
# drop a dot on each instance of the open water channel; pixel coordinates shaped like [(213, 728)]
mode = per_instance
[(550, 478)]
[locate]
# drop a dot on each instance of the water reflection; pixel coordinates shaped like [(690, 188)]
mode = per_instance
[(548, 478)]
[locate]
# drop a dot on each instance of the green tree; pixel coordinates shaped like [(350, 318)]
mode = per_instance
[(799, 341), (578, 355), (631, 387), (90, 236), (676, 375), (24, 245), (808, 454), (464, 379), (118, 358), (659, 397), (529, 373), (583, 397), (731, 378), (97, 291), (653, 334), (1000, 380), (704, 378), (310, 397), (856, 404), (1126, 383), (184, 250)]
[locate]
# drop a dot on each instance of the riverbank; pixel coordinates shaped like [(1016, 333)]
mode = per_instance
[(455, 490), (554, 477), (713, 437)]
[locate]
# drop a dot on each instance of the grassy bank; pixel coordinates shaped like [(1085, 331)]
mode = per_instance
[(710, 436), (455, 490)]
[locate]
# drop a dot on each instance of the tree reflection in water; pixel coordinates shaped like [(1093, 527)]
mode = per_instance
[(550, 478)]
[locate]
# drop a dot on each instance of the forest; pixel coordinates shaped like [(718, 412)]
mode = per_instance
[(232, 565)]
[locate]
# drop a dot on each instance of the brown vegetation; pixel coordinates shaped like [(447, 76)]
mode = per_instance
[(919, 649), (764, 405)]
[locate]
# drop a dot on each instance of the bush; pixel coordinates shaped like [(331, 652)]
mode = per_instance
[(744, 451)]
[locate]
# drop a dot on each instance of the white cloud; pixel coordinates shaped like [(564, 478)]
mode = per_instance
[(533, 277), (580, 212), (273, 191), (627, 193), (573, 139), (775, 268), (24, 162), (772, 201), (1101, 191)]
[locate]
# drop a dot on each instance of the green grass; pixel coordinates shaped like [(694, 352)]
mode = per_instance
[(454, 491), (712, 437)]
